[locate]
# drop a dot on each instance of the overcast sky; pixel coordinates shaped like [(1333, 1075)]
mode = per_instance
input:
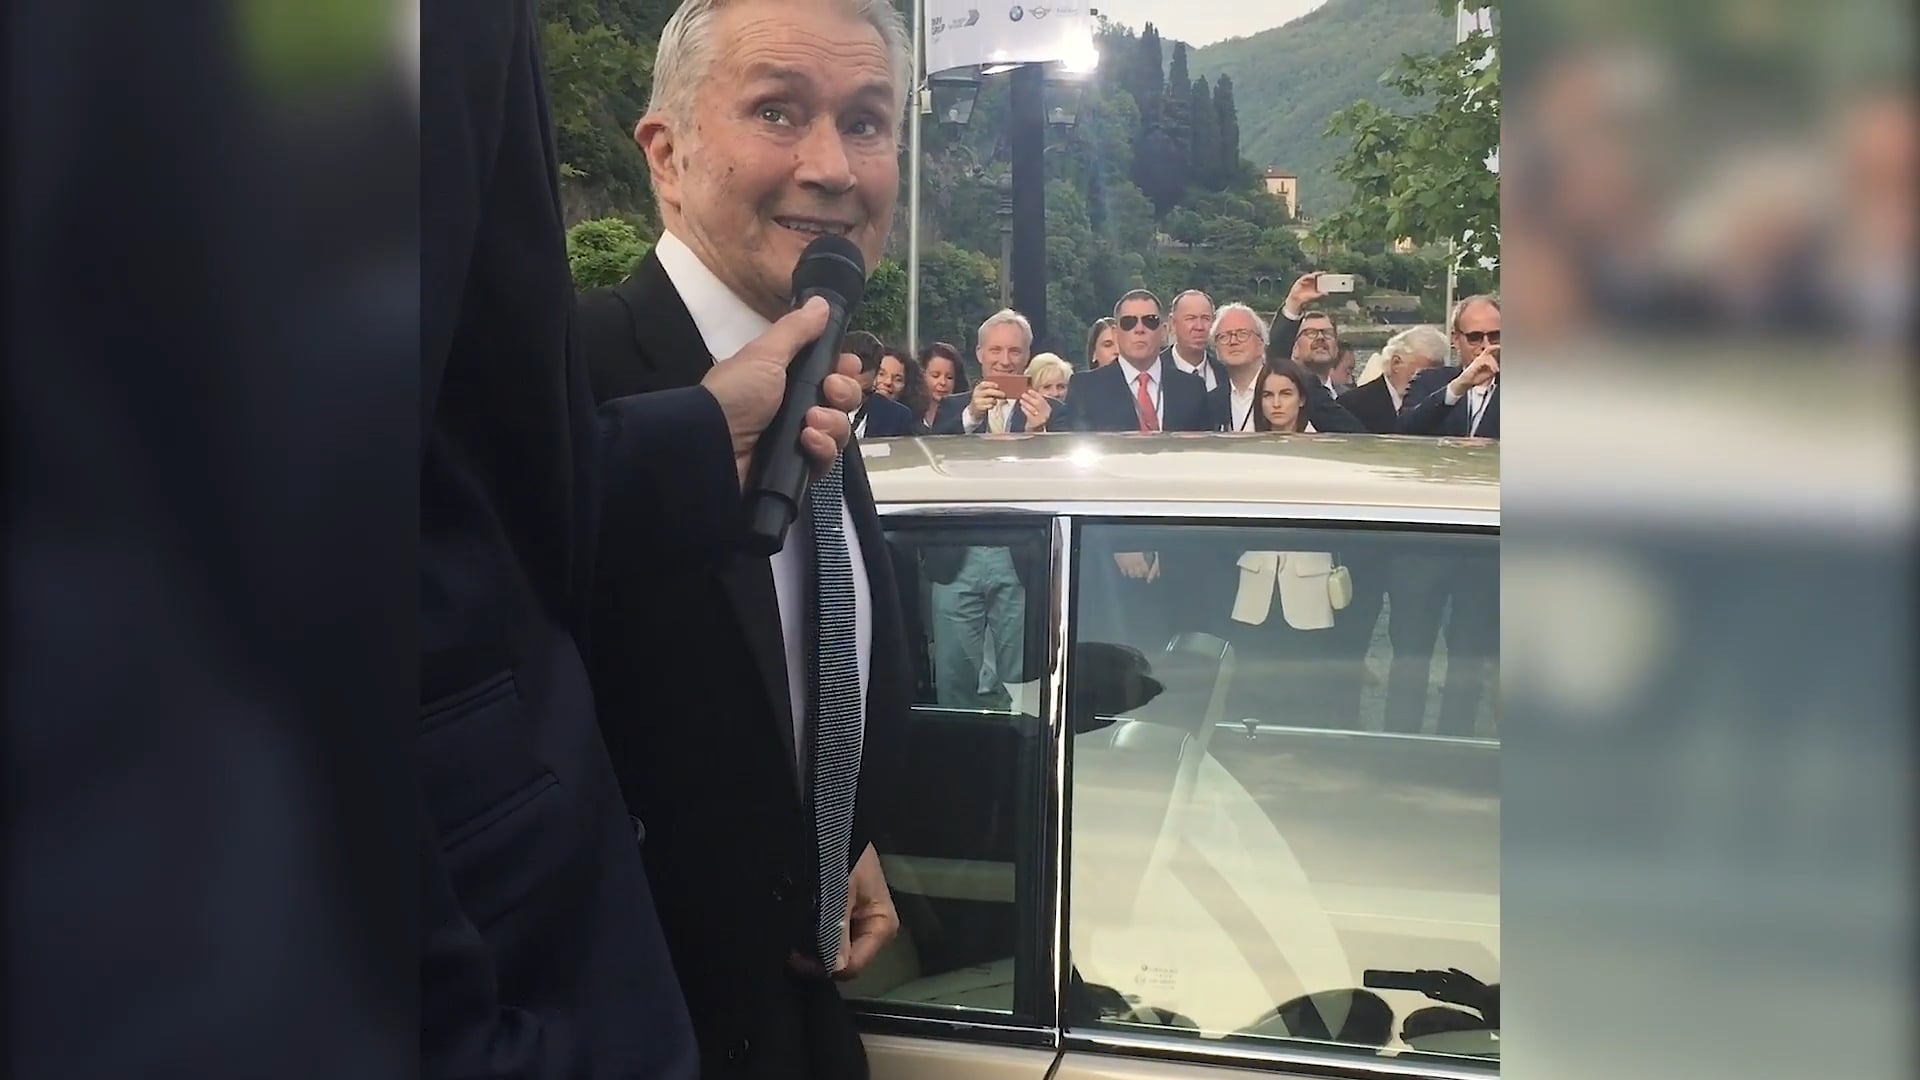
[(1203, 22)]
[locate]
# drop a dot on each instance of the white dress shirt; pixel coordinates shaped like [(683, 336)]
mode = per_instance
[(726, 325), (1240, 415), (1202, 369)]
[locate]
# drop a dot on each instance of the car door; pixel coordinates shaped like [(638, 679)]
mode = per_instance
[(964, 809), (1283, 841), (1201, 835)]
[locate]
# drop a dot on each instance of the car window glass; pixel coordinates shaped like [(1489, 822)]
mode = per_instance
[(958, 804), (1285, 803)]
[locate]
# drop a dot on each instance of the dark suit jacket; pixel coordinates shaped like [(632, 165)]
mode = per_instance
[(1323, 412), (1372, 404), (544, 956), (1424, 409), (691, 668), (210, 578), (886, 417), (1103, 400)]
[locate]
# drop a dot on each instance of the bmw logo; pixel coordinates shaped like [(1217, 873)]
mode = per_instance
[(1017, 13)]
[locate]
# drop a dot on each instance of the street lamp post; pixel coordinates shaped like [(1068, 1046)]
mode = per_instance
[(1040, 96), (1027, 147), (1005, 215)]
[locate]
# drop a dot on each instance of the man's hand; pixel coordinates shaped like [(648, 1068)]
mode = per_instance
[(985, 396), (1305, 291), (750, 384), (1483, 370), (1038, 409), (1139, 565), (870, 922), (871, 918)]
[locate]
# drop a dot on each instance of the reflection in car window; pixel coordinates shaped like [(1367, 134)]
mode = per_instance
[(1285, 811), (960, 805)]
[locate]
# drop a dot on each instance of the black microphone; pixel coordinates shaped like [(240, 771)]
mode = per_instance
[(834, 269)]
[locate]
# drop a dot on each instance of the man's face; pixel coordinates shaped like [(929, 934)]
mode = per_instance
[(1192, 318), (1139, 322), (1237, 342), (891, 379), (1316, 346), (792, 134), (1477, 327), (1343, 368), (1002, 350)]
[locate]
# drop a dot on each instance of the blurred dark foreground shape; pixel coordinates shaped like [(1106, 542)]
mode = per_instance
[(212, 473)]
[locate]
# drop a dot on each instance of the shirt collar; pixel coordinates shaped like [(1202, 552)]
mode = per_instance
[(1181, 363), (1133, 373), (725, 322)]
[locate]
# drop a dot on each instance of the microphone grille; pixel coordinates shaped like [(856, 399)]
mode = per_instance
[(831, 264)]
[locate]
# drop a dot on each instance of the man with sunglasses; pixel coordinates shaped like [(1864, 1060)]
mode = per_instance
[(1141, 392), (1462, 401)]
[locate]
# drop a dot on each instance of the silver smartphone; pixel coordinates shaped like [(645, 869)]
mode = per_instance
[(1333, 283)]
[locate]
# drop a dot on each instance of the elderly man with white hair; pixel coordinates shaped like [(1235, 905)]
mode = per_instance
[(1376, 401), (746, 705), (1239, 338)]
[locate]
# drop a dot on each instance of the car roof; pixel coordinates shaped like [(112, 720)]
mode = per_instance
[(1404, 472)]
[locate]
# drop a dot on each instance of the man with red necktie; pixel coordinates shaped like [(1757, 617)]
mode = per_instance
[(1141, 393)]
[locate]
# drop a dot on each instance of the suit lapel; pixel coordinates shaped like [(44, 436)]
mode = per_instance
[(1121, 394), (1490, 421), (672, 355)]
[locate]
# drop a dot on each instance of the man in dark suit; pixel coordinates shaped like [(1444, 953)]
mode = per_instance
[(1140, 393), (729, 686), (878, 416), (1003, 344), (1376, 403), (1191, 318), (543, 953), (1463, 401)]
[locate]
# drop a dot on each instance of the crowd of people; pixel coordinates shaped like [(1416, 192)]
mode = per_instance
[(1192, 366)]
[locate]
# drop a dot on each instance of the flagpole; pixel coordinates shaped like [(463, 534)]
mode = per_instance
[(913, 176)]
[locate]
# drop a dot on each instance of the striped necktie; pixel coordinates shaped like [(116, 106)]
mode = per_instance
[(837, 730)]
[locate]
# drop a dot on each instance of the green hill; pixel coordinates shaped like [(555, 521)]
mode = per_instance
[(1290, 79)]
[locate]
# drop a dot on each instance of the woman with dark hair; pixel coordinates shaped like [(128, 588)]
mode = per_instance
[(1103, 344), (879, 415), (1280, 397), (944, 375), (912, 387)]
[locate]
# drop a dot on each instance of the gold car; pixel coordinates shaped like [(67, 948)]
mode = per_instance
[(1202, 775)]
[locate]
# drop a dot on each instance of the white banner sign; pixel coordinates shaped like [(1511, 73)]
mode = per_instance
[(1473, 21), (961, 33)]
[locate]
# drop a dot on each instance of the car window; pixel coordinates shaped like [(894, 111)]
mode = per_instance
[(959, 803), (1285, 805)]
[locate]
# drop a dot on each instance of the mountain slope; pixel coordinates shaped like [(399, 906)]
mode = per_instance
[(1288, 80)]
